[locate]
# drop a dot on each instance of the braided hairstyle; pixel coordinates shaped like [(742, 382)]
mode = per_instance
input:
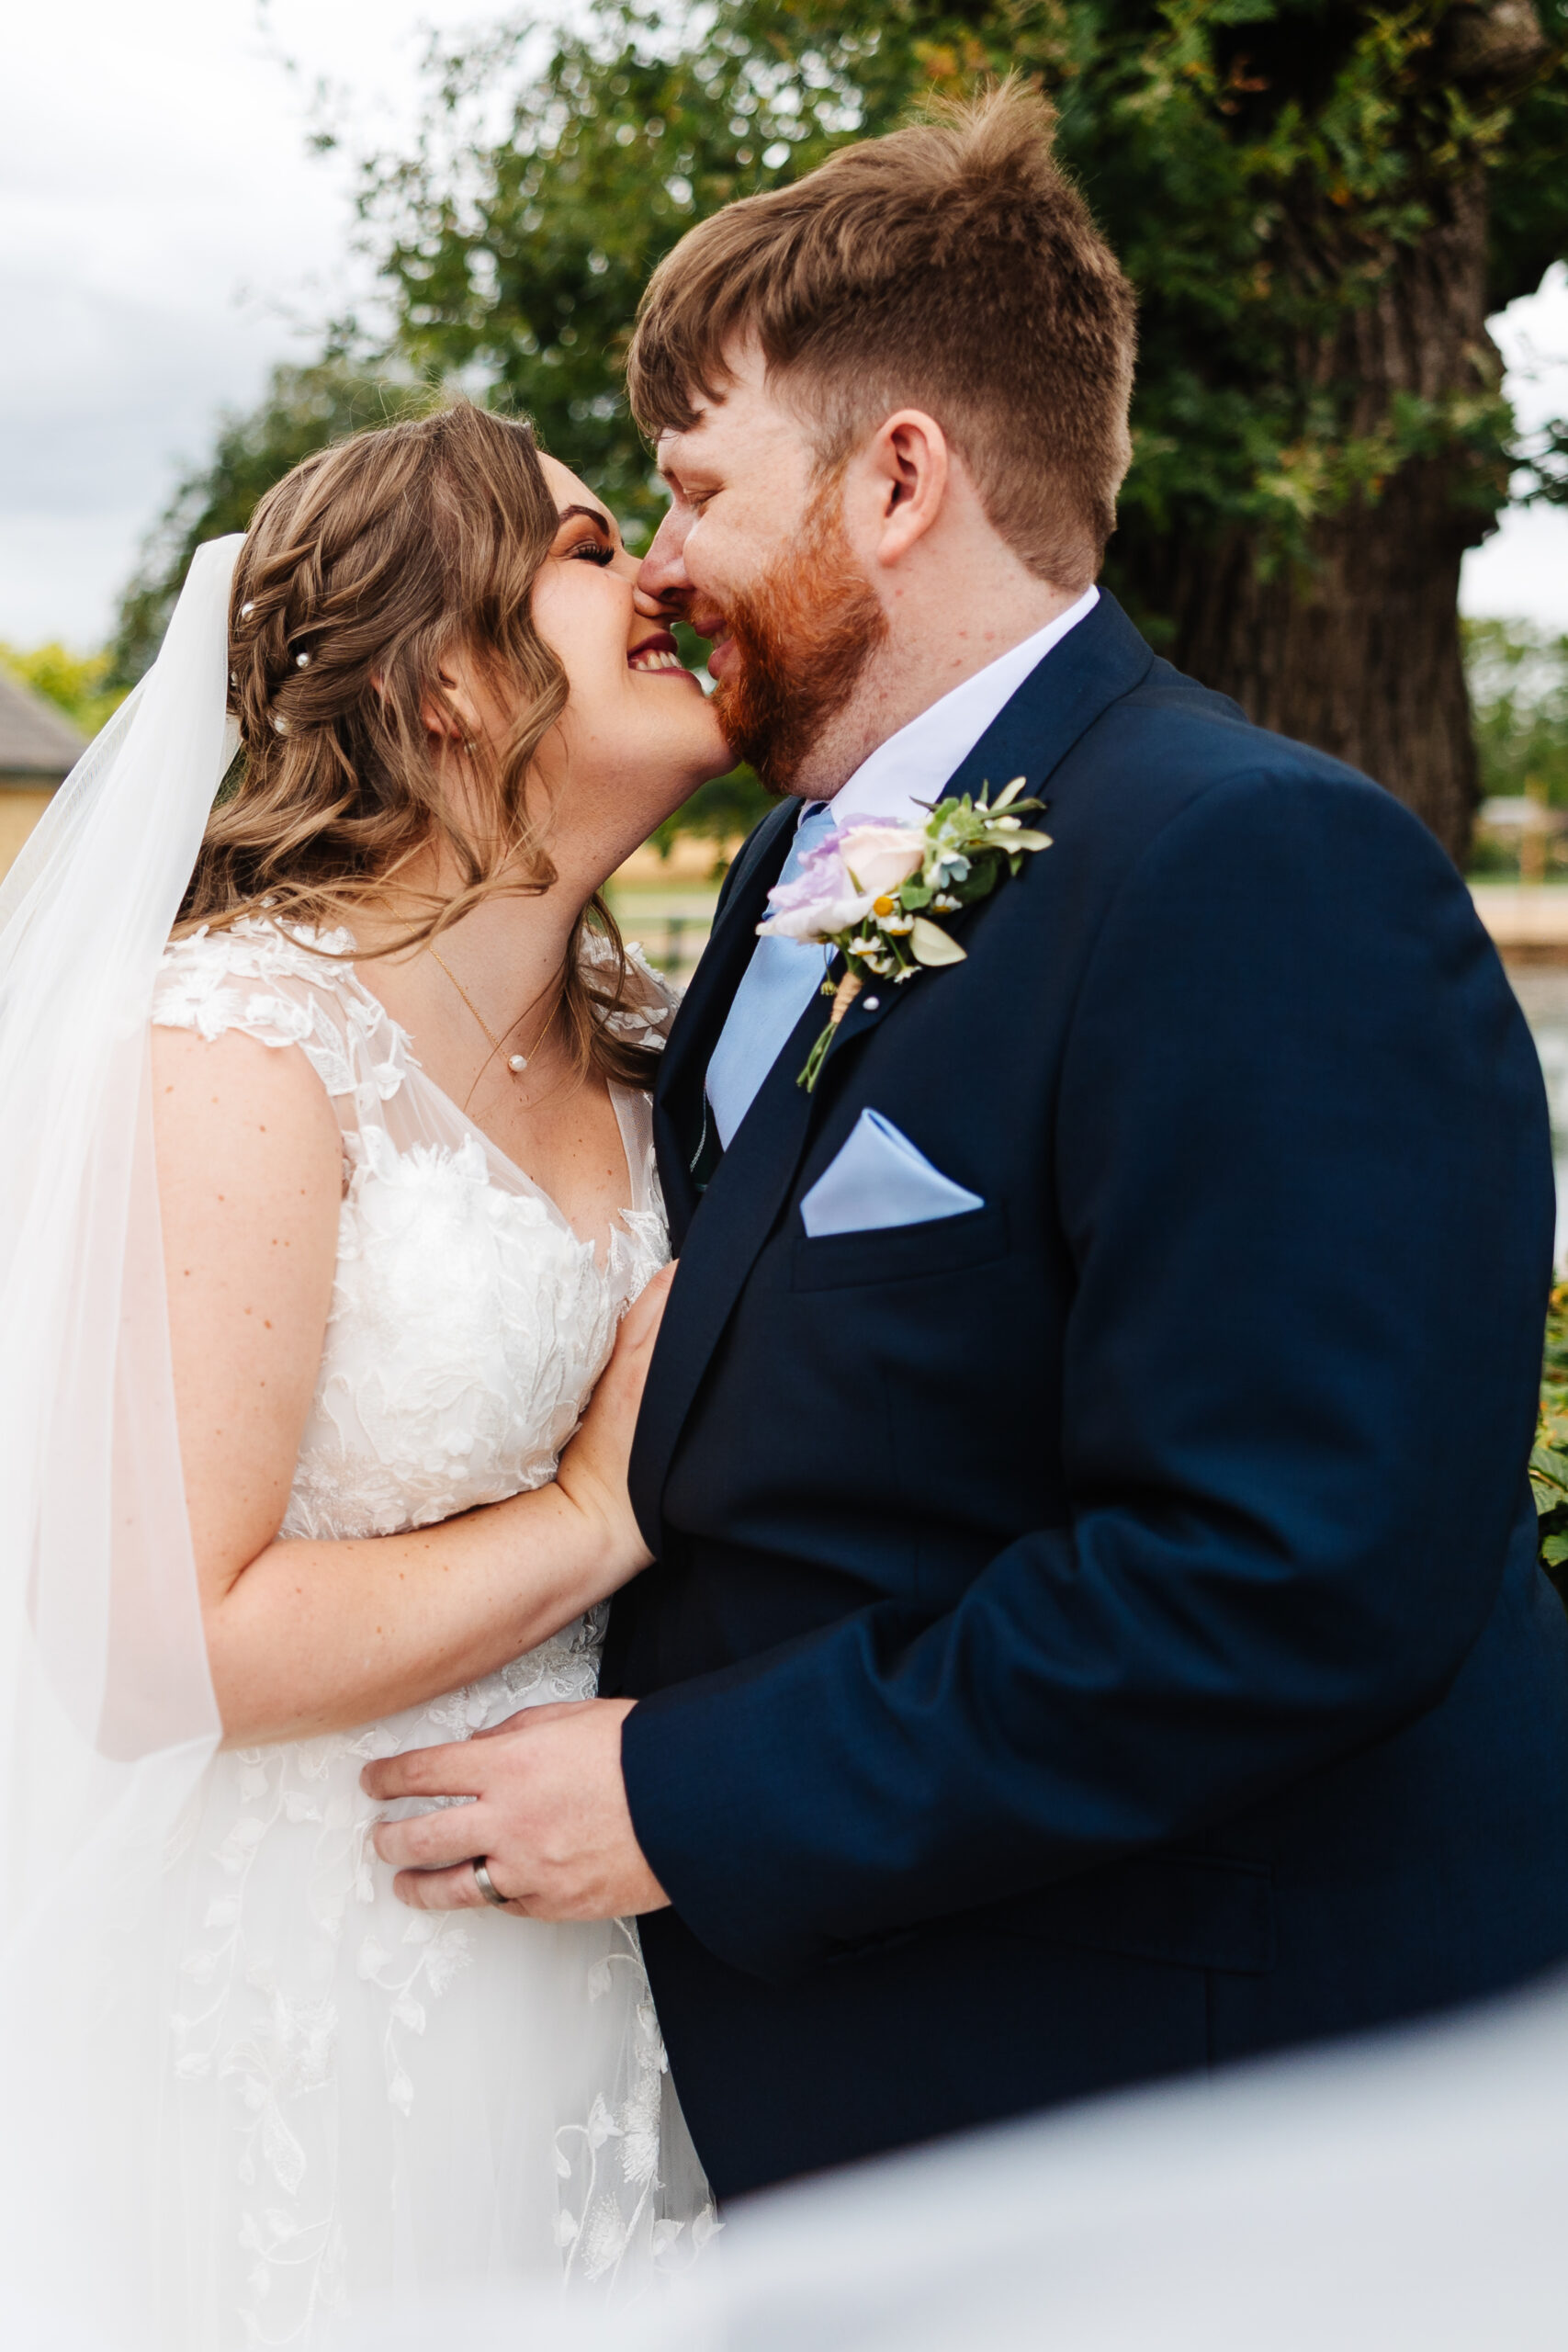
[(362, 571)]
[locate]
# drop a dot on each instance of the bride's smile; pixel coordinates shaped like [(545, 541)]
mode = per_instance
[(635, 738), (637, 727)]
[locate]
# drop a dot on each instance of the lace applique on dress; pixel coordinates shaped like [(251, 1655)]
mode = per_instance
[(285, 991), (393, 2098)]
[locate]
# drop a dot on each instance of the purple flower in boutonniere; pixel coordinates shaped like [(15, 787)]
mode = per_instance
[(877, 891), (837, 882)]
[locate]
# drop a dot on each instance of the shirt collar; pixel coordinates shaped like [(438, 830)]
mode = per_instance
[(911, 767)]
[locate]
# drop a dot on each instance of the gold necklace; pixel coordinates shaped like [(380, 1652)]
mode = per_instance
[(516, 1063)]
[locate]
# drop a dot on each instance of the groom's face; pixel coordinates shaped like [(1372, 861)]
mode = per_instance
[(754, 552)]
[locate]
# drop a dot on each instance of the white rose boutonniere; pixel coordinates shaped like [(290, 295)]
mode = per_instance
[(878, 891)]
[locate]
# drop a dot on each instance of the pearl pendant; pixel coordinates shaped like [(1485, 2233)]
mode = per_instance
[(517, 1064)]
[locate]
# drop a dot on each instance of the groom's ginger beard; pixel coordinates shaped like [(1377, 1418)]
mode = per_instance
[(804, 639)]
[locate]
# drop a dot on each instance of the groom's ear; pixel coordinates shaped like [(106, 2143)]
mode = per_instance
[(900, 483)]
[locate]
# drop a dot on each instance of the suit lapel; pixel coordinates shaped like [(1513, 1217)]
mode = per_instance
[(731, 1223), (1102, 659), (679, 1101)]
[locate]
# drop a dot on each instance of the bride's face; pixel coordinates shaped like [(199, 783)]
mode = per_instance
[(639, 734)]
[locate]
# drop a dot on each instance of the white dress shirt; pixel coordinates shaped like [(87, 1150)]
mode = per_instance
[(906, 771)]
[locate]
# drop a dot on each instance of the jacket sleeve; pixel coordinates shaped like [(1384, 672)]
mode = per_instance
[(1301, 1171)]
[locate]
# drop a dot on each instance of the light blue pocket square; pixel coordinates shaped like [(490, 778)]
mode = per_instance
[(878, 1180)]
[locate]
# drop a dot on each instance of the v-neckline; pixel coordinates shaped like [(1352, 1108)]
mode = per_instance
[(417, 1071), (494, 1151)]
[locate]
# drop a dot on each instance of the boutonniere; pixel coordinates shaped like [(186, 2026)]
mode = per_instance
[(879, 891)]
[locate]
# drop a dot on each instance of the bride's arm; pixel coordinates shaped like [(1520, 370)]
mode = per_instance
[(307, 1636)]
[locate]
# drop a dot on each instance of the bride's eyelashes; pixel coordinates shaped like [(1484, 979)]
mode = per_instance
[(591, 540)]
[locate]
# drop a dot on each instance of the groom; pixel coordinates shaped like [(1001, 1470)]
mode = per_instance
[(1096, 1630)]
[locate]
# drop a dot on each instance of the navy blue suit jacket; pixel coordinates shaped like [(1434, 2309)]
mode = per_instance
[(1099, 1634)]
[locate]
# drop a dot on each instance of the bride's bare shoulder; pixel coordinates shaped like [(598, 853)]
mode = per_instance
[(238, 1121), (249, 1165), (235, 1063)]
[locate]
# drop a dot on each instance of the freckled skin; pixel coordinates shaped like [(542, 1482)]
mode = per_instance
[(302, 1636), (299, 1633), (250, 1172)]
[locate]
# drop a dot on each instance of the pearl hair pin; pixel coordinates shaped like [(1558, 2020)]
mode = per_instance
[(245, 611), (301, 661)]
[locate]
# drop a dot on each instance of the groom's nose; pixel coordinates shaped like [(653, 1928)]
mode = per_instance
[(662, 584)]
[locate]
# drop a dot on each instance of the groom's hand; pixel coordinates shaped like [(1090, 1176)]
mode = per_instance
[(549, 1818)]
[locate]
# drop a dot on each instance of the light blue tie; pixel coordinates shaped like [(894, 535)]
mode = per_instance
[(776, 989)]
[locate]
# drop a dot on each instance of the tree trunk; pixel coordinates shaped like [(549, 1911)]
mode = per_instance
[(1358, 650)]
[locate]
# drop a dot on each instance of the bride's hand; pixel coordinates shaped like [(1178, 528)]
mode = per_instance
[(593, 1471)]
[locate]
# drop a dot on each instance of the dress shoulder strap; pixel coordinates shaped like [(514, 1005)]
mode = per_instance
[(289, 989)]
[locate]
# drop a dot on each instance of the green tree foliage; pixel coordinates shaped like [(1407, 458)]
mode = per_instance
[(1259, 165), (1518, 690), (1319, 200), (721, 812), (304, 410), (77, 683)]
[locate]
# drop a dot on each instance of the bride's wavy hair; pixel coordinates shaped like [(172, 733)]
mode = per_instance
[(362, 571)]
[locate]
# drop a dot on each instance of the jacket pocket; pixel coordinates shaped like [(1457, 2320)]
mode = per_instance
[(895, 1253)]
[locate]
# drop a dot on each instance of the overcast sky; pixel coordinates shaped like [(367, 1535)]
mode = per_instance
[(164, 237)]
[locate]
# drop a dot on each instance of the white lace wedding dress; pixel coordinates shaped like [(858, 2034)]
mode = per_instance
[(371, 2101)]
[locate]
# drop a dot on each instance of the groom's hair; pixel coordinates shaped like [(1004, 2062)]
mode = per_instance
[(950, 267)]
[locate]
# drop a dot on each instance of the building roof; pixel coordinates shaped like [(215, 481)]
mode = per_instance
[(37, 743)]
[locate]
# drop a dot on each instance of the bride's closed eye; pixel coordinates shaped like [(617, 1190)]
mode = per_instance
[(584, 534)]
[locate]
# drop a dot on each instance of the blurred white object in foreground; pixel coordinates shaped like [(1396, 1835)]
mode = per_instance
[(1404, 2195)]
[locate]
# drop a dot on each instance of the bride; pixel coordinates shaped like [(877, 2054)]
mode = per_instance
[(319, 1220)]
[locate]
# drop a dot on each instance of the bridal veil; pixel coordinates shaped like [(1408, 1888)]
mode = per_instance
[(106, 1703)]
